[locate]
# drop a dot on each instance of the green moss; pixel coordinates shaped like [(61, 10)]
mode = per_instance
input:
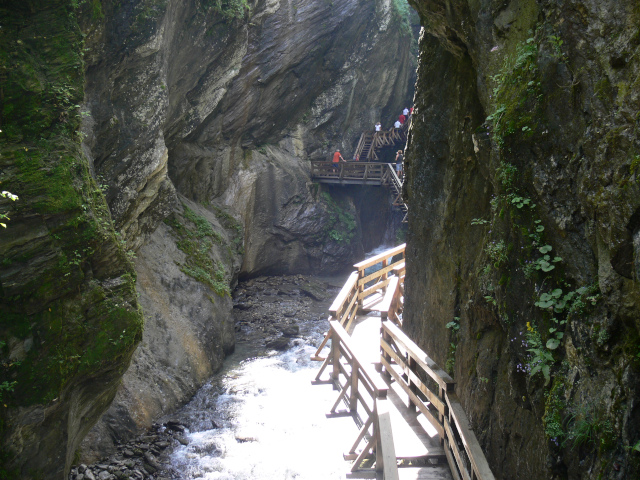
[(341, 226), (227, 9), (230, 223), (76, 326), (516, 105), (603, 89), (196, 238), (554, 411)]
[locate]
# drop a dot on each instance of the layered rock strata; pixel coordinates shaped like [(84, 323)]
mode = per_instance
[(524, 200)]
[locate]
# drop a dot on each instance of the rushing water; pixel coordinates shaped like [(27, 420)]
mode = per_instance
[(261, 418)]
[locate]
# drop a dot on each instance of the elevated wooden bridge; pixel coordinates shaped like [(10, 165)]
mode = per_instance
[(410, 422), (371, 141), (361, 173)]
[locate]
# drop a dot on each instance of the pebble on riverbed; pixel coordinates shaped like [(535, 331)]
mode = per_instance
[(268, 311), (142, 459)]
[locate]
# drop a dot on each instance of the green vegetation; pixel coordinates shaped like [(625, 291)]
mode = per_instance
[(553, 414), (402, 15), (516, 94), (71, 314), (341, 226), (4, 215), (230, 223), (196, 237), (227, 9), (588, 428), (450, 363)]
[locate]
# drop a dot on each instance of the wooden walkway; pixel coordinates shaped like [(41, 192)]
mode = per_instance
[(411, 424), (361, 173)]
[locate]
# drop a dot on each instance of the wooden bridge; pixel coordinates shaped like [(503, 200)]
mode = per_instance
[(361, 173), (370, 141), (411, 423)]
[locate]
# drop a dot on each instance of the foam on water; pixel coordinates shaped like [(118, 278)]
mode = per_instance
[(272, 424)]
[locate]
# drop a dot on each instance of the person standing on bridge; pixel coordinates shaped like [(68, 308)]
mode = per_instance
[(399, 161), (337, 158), (378, 127), (397, 124), (405, 112), (402, 119)]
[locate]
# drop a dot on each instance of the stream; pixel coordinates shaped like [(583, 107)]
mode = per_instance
[(260, 417)]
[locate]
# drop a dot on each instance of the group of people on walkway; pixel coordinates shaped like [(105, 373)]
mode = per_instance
[(402, 119)]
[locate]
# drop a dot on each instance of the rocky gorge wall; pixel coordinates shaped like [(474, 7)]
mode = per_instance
[(165, 144), (524, 206)]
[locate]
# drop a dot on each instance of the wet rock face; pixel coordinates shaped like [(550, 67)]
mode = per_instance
[(530, 148), (188, 323), (185, 105), (179, 96)]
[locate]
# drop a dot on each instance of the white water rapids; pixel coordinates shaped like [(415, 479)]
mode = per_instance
[(261, 418)]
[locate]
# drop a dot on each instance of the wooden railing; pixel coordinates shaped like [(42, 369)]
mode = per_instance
[(360, 287), (368, 173), (430, 390), (369, 284), (360, 386)]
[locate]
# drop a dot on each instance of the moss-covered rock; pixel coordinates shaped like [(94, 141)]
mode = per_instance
[(523, 207), (69, 315)]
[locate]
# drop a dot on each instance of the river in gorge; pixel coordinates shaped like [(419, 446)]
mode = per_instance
[(260, 417)]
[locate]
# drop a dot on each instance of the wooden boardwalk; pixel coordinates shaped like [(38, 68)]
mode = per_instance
[(417, 444), (411, 423), (361, 173)]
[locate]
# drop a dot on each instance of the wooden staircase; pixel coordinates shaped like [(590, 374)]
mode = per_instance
[(364, 151), (395, 184)]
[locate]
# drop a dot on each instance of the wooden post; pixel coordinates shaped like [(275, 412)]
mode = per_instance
[(412, 386), (335, 357), (384, 354), (360, 288), (441, 415), (385, 263), (353, 394)]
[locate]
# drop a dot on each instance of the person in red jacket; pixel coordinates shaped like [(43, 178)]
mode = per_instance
[(337, 158), (402, 119)]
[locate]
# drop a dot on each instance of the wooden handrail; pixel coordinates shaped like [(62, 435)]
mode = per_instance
[(360, 374), (385, 455), (345, 306), (380, 257), (442, 407), (343, 296), (340, 335)]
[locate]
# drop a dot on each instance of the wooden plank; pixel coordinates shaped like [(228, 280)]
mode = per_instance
[(381, 256), (428, 365), (361, 434), (363, 454), (372, 289), (379, 273), (344, 294), (385, 443), (347, 310), (385, 305), (431, 396), (434, 472), (462, 467), (379, 386), (400, 268), (453, 467), (421, 406), (474, 452)]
